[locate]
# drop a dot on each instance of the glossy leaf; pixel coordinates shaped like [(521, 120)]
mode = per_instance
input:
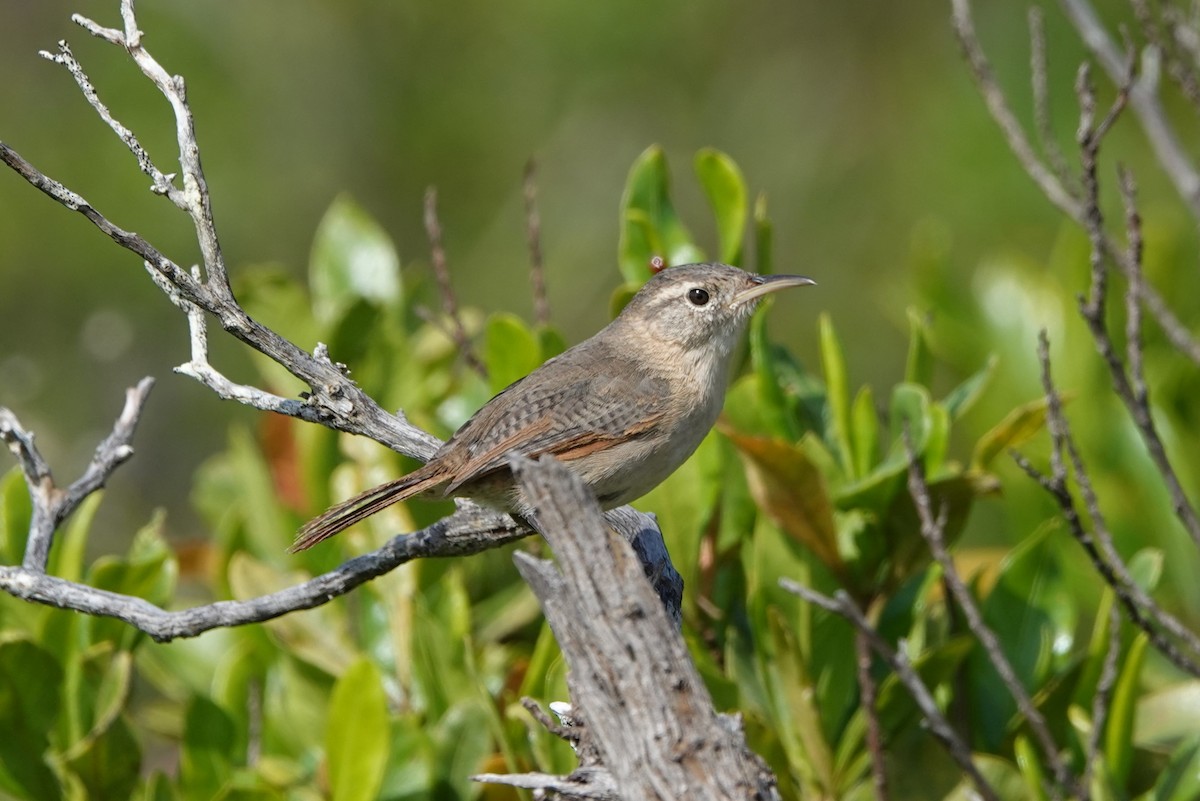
[(918, 367), (650, 225), (511, 350), (317, 637), (1118, 734), (837, 389), (207, 759), (1166, 716), (30, 683), (1030, 766), (864, 431), (15, 511), (1016, 428), (352, 258), (357, 734), (789, 488), (726, 191), (1180, 781), (107, 762)]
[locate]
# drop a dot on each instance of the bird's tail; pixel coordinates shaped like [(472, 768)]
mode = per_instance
[(339, 518)]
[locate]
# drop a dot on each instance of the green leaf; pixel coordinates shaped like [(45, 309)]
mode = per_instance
[(357, 734), (352, 258), (1118, 734), (726, 191), (1018, 426), (317, 637), (30, 686), (1167, 716), (15, 511), (650, 225), (938, 666), (864, 431), (789, 488), (148, 571), (1180, 781), (207, 758), (1030, 766), (960, 399), (551, 342), (511, 350), (107, 761), (918, 368), (837, 393)]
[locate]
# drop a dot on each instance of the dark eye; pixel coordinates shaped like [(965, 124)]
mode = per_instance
[(697, 296)]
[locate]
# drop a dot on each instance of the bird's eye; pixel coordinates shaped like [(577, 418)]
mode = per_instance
[(697, 296)]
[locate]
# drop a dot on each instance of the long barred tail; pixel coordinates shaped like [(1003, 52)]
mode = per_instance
[(339, 518)]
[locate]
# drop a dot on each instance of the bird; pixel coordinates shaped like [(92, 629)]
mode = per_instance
[(623, 409)]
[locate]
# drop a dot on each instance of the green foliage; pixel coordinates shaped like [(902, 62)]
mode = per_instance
[(411, 684)]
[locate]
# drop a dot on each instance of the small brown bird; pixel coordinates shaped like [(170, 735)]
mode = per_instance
[(622, 409)]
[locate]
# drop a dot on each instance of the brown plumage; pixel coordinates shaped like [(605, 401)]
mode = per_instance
[(623, 409)]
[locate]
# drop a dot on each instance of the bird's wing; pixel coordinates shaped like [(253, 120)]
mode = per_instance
[(567, 412)]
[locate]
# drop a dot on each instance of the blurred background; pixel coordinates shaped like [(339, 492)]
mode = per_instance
[(886, 180)]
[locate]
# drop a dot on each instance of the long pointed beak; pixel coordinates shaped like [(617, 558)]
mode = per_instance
[(765, 284)]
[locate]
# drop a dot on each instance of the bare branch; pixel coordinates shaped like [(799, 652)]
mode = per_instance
[(1143, 98), (433, 229), (993, 96), (533, 228), (1131, 391), (841, 604), (53, 504), (1041, 98), (194, 198), (470, 530), (869, 692), (1139, 606), (1044, 177), (160, 182), (1103, 697), (933, 530)]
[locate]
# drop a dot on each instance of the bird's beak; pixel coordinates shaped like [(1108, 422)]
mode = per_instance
[(765, 284)]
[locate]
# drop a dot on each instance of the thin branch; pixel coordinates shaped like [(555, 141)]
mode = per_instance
[(1041, 98), (470, 530), (1131, 391), (1059, 195), (533, 229), (1141, 609), (194, 197), (1103, 697), (433, 229), (869, 691), (993, 96), (933, 531), (160, 182), (841, 604), (335, 401), (53, 504), (1169, 151)]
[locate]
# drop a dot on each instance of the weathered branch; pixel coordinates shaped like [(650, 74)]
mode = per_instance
[(333, 401), (633, 685), (53, 504)]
